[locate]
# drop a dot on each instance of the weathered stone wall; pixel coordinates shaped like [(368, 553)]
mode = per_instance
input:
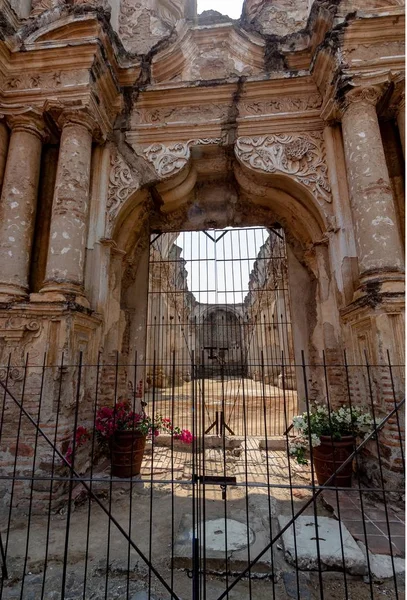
[(292, 115)]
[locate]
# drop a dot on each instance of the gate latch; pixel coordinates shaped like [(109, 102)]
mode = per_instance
[(223, 482)]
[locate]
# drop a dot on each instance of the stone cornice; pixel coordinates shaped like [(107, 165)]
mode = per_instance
[(255, 107), (345, 59)]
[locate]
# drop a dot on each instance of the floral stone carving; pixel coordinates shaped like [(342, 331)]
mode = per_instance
[(168, 160), (301, 156), (121, 184)]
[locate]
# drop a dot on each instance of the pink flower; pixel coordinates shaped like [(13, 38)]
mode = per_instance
[(185, 436)]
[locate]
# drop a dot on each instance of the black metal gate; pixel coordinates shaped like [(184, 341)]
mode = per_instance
[(211, 514)]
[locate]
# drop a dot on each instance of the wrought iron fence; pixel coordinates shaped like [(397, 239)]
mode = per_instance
[(227, 514)]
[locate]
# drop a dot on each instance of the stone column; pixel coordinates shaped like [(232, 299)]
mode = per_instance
[(18, 202), (4, 139), (70, 207), (401, 122), (377, 238)]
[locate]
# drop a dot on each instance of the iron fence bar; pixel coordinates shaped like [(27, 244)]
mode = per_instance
[(328, 402), (72, 465), (290, 479), (15, 462), (33, 471), (253, 484), (381, 478), (317, 492), (75, 476), (314, 497), (348, 387), (4, 571)]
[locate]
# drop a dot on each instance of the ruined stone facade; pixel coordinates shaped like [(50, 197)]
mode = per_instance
[(123, 117)]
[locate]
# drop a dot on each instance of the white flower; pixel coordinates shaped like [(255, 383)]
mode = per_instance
[(315, 440), (299, 422)]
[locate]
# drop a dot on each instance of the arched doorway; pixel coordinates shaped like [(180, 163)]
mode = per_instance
[(219, 330), (247, 201)]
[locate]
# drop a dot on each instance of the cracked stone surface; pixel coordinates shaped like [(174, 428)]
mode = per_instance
[(330, 545)]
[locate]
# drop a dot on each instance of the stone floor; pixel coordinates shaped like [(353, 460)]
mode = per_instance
[(154, 510), (242, 400), (368, 522)]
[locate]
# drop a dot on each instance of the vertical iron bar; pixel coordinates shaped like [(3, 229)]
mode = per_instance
[(379, 457), (397, 413), (71, 479), (32, 476), (109, 525), (335, 482), (15, 463), (321, 583), (290, 478), (58, 406), (92, 452), (359, 480), (267, 468)]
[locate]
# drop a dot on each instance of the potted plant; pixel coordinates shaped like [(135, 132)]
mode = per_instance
[(122, 434), (331, 435)]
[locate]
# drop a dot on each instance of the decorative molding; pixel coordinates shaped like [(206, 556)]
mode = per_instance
[(168, 160), (15, 329), (172, 114), (44, 81), (300, 156), (121, 184), (281, 105)]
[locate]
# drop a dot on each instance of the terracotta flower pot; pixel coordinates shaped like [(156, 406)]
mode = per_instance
[(127, 451), (329, 456)]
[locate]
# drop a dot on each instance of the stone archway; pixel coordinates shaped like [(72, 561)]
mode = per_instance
[(194, 199)]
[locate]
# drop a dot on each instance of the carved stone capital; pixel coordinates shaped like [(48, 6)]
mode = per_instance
[(300, 156), (362, 96), (168, 160), (30, 121), (82, 117)]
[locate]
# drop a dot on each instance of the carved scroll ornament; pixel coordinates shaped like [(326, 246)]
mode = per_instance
[(168, 160), (302, 156), (121, 184)]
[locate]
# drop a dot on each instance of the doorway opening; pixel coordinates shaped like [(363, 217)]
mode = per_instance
[(219, 333)]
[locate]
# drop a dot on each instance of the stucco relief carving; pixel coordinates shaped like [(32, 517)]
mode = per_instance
[(52, 80), (279, 105), (183, 113), (302, 156), (14, 329), (121, 184), (280, 17), (140, 28), (168, 160), (43, 5)]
